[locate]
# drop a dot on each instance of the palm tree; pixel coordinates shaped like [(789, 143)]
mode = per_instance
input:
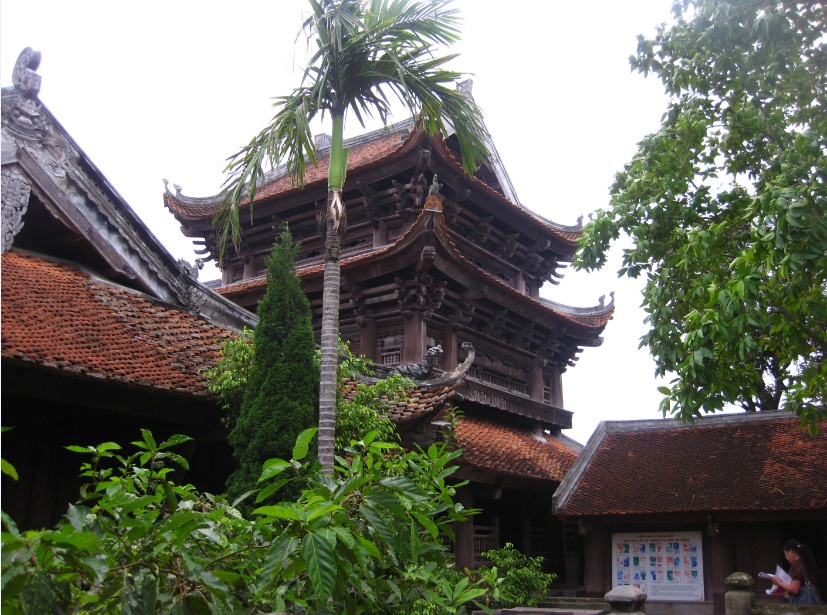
[(367, 53)]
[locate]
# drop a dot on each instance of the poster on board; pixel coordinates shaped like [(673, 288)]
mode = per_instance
[(666, 565)]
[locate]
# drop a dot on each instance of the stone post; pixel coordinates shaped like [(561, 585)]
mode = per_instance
[(739, 597), (627, 599)]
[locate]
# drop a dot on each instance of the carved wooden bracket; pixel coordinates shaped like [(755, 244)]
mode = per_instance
[(426, 259), (16, 190)]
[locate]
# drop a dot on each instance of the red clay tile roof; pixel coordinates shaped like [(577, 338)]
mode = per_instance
[(56, 316), (421, 402), (512, 451), (360, 155), (736, 465), (379, 147)]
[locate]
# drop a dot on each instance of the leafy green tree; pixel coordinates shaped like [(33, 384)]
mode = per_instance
[(367, 408), (365, 54), (228, 377), (281, 396), (725, 206)]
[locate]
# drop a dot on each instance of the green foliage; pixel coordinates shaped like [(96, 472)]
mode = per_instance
[(363, 412), (138, 543), (523, 582), (369, 539), (282, 389), (725, 207), (367, 409), (228, 377)]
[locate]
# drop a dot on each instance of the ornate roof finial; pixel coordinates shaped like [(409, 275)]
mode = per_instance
[(435, 186), (24, 77)]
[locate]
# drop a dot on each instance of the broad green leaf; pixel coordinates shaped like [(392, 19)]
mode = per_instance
[(320, 511), (303, 443), (108, 446), (317, 553), (174, 441), (76, 516), (8, 469), (85, 541), (279, 512), (273, 467)]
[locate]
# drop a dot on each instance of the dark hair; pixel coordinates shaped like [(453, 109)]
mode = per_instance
[(807, 559)]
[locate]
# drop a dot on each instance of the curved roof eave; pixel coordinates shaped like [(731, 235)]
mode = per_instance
[(593, 319), (199, 208), (278, 182)]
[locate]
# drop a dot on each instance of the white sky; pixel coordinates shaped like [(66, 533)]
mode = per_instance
[(155, 90)]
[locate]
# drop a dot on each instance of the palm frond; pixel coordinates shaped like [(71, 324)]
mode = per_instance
[(366, 52)]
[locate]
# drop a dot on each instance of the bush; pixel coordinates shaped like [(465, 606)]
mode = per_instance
[(523, 582), (367, 540)]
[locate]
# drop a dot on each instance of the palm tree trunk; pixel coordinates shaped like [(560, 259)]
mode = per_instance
[(330, 347), (328, 382)]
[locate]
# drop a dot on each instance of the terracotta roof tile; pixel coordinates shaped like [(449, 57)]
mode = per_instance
[(420, 402), (57, 316), (360, 155), (512, 451), (735, 466)]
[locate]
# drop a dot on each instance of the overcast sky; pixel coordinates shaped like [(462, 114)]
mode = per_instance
[(156, 90)]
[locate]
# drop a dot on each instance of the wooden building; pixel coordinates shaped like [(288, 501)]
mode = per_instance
[(464, 265), (728, 490)]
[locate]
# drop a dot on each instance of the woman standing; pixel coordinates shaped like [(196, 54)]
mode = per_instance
[(801, 588)]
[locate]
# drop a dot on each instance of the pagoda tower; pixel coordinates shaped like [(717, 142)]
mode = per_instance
[(434, 257)]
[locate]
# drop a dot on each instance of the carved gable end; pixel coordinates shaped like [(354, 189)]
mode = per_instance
[(56, 202)]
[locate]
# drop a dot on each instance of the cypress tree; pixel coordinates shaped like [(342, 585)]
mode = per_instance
[(281, 399)]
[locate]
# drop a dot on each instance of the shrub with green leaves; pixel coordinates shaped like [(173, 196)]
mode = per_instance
[(369, 539), (368, 408), (522, 583)]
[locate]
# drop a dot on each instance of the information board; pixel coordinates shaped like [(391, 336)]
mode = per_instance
[(666, 565)]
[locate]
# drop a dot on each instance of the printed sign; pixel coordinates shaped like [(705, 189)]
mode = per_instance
[(666, 565)]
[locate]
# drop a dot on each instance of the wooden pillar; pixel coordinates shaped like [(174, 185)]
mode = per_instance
[(367, 343), (557, 388), (380, 234), (464, 532), (719, 562), (413, 343), (536, 386), (249, 267), (449, 349), (597, 562)]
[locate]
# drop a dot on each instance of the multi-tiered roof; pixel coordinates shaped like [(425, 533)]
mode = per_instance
[(416, 275)]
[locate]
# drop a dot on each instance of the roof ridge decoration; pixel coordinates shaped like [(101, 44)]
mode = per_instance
[(600, 308), (451, 379)]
